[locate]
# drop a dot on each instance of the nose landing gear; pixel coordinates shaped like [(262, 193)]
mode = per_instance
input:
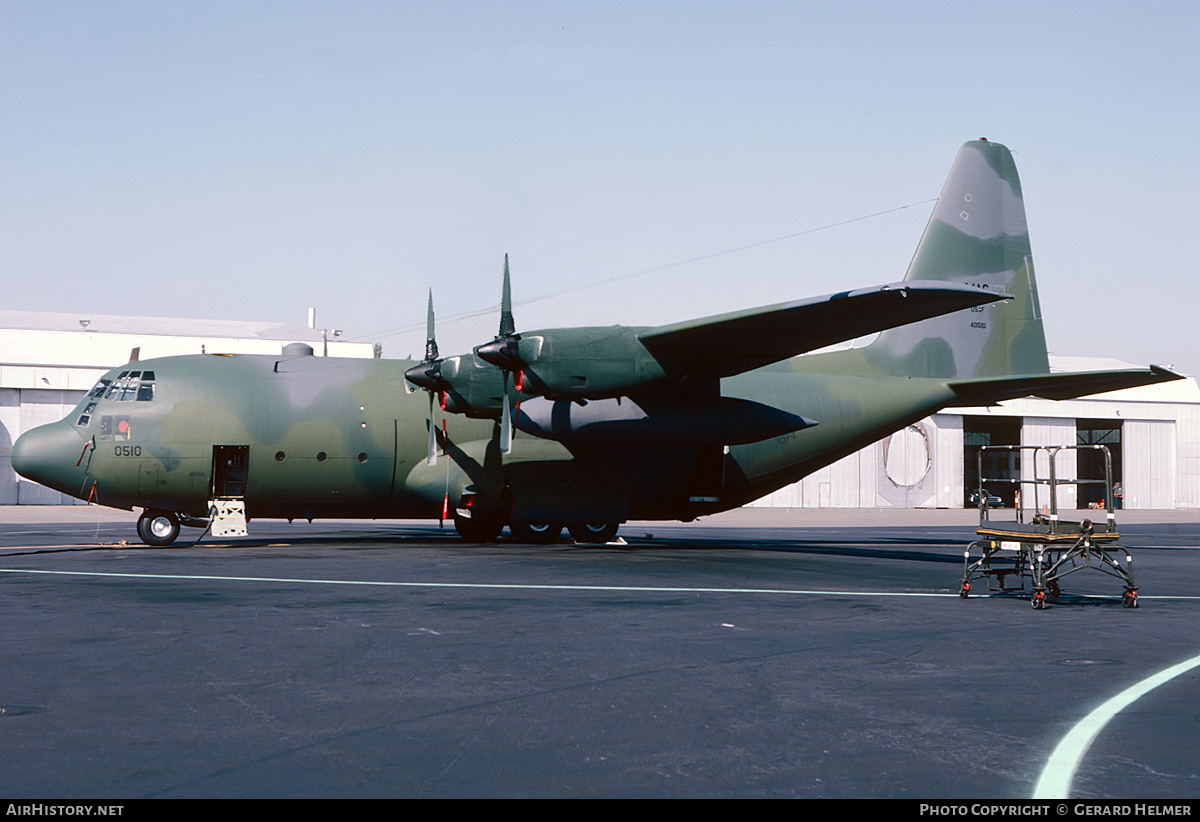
[(158, 528)]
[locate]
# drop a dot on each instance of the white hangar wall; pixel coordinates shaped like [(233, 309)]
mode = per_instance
[(923, 466), (20, 410), (49, 361), (920, 466)]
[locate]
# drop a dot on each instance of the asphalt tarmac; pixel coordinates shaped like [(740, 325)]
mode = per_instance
[(755, 654)]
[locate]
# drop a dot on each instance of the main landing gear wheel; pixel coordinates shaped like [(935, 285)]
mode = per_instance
[(1039, 601), (593, 532), (1129, 598), (158, 528), (965, 590), (541, 533), (478, 529)]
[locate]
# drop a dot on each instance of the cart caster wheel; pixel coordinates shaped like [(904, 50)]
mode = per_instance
[(1129, 599), (1039, 601), (965, 590)]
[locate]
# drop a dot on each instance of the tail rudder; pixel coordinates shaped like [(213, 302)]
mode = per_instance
[(976, 235)]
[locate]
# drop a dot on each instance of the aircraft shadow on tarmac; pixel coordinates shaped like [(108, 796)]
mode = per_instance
[(889, 548)]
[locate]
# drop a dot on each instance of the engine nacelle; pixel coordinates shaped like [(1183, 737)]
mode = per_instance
[(471, 387), (585, 363)]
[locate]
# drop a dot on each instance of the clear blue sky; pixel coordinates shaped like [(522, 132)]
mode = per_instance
[(245, 160)]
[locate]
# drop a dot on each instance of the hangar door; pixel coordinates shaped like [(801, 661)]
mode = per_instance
[(981, 431), (1090, 462)]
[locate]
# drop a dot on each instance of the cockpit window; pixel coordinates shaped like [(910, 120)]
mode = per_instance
[(127, 387), (86, 417)]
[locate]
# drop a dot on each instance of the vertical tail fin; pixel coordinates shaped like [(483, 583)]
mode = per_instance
[(977, 235)]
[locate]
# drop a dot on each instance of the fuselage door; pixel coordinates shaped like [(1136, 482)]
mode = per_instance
[(231, 465)]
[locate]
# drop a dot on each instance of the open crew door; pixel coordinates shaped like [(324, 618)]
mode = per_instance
[(231, 466)]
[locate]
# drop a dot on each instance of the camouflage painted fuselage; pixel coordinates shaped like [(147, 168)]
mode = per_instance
[(329, 437)]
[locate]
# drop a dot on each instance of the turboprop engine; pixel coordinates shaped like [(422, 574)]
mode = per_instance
[(576, 363)]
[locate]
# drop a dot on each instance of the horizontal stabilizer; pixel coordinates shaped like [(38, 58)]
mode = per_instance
[(1061, 386), (740, 341)]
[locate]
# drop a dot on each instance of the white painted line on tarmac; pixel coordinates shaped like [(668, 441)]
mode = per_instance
[(1056, 778), (482, 585), (519, 586)]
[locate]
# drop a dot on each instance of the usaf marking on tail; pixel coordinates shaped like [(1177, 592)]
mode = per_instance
[(668, 423)]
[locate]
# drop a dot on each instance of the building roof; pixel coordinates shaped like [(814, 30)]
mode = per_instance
[(157, 326)]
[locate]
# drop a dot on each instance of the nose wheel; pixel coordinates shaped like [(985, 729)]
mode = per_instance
[(158, 528)]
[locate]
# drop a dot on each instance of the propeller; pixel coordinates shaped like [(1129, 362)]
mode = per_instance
[(428, 375), (502, 352)]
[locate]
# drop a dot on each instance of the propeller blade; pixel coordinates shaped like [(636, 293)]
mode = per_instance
[(502, 352), (505, 421), (427, 374), (431, 349), (431, 454), (507, 326)]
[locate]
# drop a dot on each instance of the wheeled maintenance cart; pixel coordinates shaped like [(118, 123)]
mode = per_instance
[(1047, 548)]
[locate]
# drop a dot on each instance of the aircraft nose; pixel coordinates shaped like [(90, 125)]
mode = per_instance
[(49, 455)]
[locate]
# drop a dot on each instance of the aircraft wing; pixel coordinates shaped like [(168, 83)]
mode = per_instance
[(1061, 386), (740, 341)]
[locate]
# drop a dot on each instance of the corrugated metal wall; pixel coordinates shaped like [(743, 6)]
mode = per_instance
[(10, 428), (1150, 457), (20, 410), (948, 460), (1187, 432), (1048, 431)]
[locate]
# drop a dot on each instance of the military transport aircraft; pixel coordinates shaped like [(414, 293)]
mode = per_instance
[(668, 422)]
